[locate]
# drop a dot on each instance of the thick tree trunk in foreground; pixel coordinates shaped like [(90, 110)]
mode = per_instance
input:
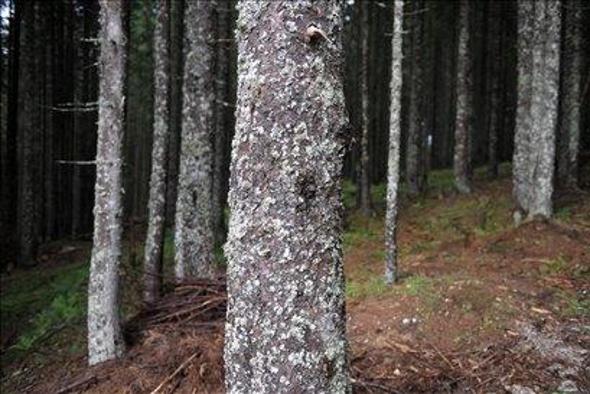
[(539, 27), (569, 128), (364, 178), (194, 222), (394, 143), (157, 201), (104, 329), (462, 155), (27, 186), (285, 328)]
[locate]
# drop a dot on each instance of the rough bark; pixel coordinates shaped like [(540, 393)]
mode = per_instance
[(394, 144), (364, 177), (464, 112), (285, 329), (194, 223), (571, 71), (104, 328), (27, 228), (538, 84), (415, 166), (154, 243)]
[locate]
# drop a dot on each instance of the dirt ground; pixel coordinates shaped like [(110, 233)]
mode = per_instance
[(481, 306)]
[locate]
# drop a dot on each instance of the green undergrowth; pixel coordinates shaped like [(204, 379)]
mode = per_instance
[(38, 303)]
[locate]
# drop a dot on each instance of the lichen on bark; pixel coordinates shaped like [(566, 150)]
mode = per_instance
[(539, 25), (157, 200), (394, 143), (285, 329), (462, 154), (104, 328), (194, 223)]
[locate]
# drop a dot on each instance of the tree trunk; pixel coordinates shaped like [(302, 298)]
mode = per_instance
[(27, 213), (220, 138), (104, 329), (538, 84), (391, 272), (495, 63), (364, 177), (78, 79), (463, 123), (176, 37), (154, 243), (285, 327), (415, 168), (194, 224), (569, 128)]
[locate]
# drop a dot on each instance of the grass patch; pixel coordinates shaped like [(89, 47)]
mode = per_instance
[(554, 266), (376, 286)]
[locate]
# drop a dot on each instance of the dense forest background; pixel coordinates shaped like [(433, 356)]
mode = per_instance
[(485, 255), (57, 58)]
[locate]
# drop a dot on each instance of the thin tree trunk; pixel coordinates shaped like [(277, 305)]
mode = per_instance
[(285, 327), (176, 67), (28, 237), (391, 271), (221, 85), (79, 65), (364, 176), (415, 169), (194, 225), (495, 73), (104, 328), (538, 85), (569, 128), (157, 201), (463, 119)]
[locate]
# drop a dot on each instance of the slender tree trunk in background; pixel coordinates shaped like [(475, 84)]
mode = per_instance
[(415, 169), (77, 131), (176, 39), (462, 157), (49, 208), (569, 127), (194, 222), (539, 27), (220, 137), (364, 177), (157, 201), (285, 329), (495, 62), (104, 328), (391, 271), (28, 237)]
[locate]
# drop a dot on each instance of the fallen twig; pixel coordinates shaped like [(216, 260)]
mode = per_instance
[(176, 372)]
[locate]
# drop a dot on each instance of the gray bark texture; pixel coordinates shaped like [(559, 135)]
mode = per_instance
[(104, 328), (27, 212), (365, 183), (415, 160), (391, 271), (285, 329), (569, 128), (157, 201), (462, 154), (539, 26), (194, 223)]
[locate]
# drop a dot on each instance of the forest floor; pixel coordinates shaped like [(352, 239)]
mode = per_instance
[(481, 306)]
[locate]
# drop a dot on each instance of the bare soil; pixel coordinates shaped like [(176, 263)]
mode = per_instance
[(481, 306)]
